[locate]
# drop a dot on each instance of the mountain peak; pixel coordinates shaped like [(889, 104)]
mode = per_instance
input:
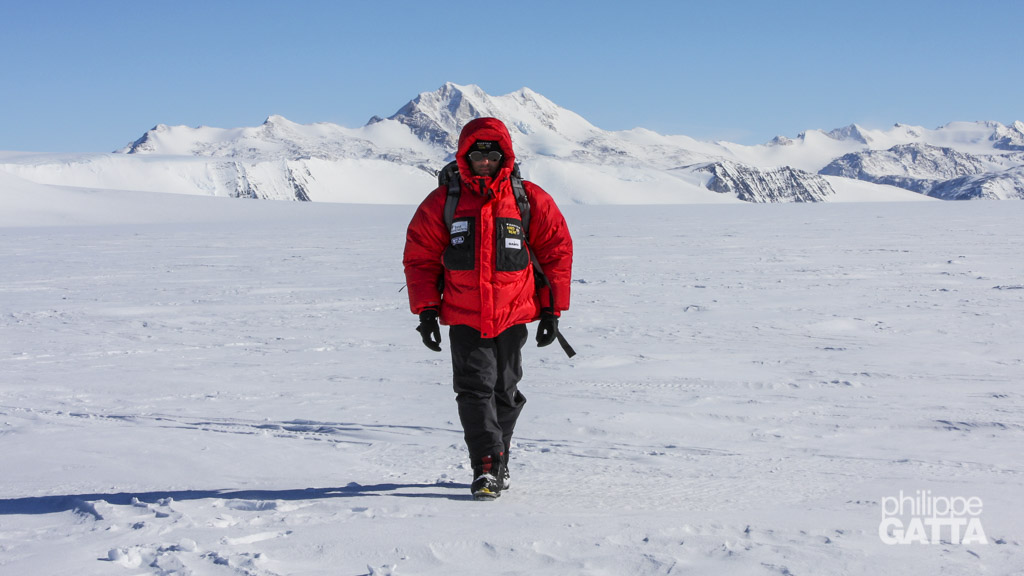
[(851, 132), (437, 117), (453, 88), (1009, 137), (277, 119), (146, 142)]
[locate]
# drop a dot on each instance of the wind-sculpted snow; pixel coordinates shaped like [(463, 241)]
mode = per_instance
[(196, 385)]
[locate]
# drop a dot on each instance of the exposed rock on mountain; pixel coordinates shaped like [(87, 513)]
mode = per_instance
[(851, 132), (917, 167), (1009, 137), (774, 185), (394, 159), (1007, 185)]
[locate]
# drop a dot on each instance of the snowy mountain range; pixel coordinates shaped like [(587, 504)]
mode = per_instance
[(394, 159)]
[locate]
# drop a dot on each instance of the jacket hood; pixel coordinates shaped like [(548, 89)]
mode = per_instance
[(485, 129)]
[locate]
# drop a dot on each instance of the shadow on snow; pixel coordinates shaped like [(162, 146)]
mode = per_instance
[(83, 503)]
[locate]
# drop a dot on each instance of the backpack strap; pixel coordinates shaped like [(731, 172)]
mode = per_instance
[(449, 176), (451, 203), (521, 200)]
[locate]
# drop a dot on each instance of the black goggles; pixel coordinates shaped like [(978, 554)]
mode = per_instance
[(477, 156)]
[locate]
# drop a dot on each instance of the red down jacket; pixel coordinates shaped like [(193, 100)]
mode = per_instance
[(488, 276)]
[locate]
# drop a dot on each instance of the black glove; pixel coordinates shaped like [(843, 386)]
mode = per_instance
[(429, 329), (547, 330)]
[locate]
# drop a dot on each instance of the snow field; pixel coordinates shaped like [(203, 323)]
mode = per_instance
[(246, 394)]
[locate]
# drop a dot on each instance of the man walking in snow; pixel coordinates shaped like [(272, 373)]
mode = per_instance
[(476, 276)]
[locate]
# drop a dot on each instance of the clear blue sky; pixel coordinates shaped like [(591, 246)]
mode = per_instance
[(90, 76)]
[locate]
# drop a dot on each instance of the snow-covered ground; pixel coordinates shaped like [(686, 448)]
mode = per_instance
[(197, 385)]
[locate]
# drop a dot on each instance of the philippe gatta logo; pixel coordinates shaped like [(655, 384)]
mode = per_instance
[(924, 518)]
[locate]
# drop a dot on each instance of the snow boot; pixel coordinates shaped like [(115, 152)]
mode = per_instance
[(506, 478), (486, 477)]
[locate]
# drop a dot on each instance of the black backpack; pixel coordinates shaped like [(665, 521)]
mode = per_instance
[(449, 176)]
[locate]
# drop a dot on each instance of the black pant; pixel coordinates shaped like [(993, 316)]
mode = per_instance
[(486, 374)]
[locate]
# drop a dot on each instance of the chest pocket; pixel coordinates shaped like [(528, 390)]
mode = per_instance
[(460, 255), (510, 247)]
